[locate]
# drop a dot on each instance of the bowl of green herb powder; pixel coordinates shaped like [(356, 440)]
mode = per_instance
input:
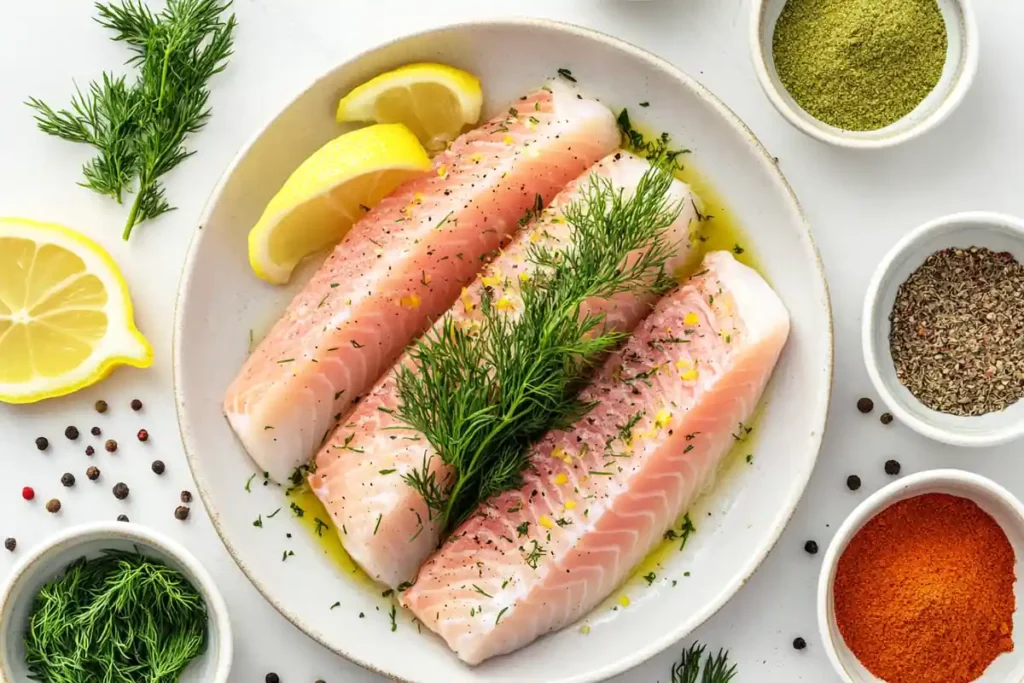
[(111, 601), (864, 74)]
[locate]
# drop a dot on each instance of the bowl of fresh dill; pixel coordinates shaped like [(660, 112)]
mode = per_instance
[(111, 601)]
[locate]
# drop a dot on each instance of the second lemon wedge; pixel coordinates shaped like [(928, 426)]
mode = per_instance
[(329, 192), (436, 101)]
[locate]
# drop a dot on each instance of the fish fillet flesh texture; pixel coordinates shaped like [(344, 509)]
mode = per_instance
[(384, 524), (599, 496), (401, 266)]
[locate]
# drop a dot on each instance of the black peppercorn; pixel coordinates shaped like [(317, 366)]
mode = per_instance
[(272, 678), (53, 505), (71, 432), (68, 479), (799, 643), (120, 490), (122, 518), (865, 405), (181, 512), (89, 450), (186, 496), (853, 482), (158, 466), (10, 544), (95, 431), (143, 435), (93, 473), (886, 418), (136, 405), (811, 547), (892, 467), (101, 406), (42, 443), (111, 446)]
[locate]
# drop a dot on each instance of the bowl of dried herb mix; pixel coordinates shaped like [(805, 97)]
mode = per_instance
[(918, 584), (864, 74), (151, 611), (943, 329)]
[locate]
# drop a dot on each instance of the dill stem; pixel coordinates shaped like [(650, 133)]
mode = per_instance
[(134, 212)]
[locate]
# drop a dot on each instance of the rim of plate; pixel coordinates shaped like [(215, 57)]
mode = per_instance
[(767, 160)]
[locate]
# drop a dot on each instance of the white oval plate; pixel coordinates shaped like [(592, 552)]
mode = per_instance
[(221, 301)]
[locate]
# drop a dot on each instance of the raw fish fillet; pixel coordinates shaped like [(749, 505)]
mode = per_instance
[(600, 495), (385, 525), (403, 265)]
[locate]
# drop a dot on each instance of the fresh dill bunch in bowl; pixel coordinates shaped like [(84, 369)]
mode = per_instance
[(113, 603)]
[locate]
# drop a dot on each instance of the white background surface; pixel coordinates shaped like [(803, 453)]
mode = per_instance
[(858, 205)]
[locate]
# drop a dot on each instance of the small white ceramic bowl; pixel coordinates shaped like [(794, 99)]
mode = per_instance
[(961, 65), (990, 497), (47, 561), (994, 231)]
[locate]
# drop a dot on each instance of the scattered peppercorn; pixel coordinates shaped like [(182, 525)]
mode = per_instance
[(886, 418), (110, 445), (158, 466), (272, 678), (89, 450), (181, 512), (799, 643), (42, 443), (122, 518), (95, 431), (53, 505), (865, 405), (71, 432), (120, 490), (28, 493), (811, 547), (853, 482), (892, 467), (10, 544), (101, 406), (93, 473), (68, 479), (143, 435), (186, 496), (136, 405)]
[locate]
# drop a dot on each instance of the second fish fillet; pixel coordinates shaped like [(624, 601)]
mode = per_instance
[(403, 265), (599, 496), (384, 524)]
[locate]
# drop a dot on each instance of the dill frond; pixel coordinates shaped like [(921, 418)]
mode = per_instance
[(139, 130), (480, 398), (716, 668)]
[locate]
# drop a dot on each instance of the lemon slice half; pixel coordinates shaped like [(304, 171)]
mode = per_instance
[(330, 191), (65, 313), (435, 101)]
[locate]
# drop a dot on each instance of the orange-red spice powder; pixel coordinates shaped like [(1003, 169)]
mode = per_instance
[(924, 591)]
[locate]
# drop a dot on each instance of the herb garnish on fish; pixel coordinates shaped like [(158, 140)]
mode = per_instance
[(481, 396)]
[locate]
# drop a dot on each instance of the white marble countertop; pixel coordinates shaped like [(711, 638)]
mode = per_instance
[(858, 204)]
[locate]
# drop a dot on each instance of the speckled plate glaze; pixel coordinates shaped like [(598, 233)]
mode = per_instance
[(221, 303)]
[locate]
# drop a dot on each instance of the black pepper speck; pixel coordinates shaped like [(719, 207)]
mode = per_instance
[(136, 405), (886, 418), (93, 473), (865, 405), (811, 547), (71, 432), (42, 443), (122, 518), (853, 482), (95, 431), (181, 512), (68, 479), (10, 544), (120, 490), (892, 467), (799, 643), (101, 406), (89, 450), (158, 466), (186, 496)]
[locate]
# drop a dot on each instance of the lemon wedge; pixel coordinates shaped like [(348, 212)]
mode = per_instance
[(330, 191), (435, 101), (65, 314)]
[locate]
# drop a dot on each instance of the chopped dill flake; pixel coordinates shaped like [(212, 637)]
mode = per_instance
[(481, 591), (248, 483), (258, 522), (299, 512), (337, 604), (320, 525), (272, 514), (650, 578), (567, 75), (533, 554), (376, 526), (503, 610), (394, 623), (522, 529), (286, 554)]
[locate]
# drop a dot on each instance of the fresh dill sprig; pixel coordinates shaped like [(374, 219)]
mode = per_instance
[(481, 397), (121, 617), (139, 129), (715, 669), (656, 150)]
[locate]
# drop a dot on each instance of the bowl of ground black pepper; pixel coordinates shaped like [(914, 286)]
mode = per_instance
[(917, 586), (864, 74), (943, 329)]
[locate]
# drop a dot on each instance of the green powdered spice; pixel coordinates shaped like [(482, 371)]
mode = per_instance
[(860, 64)]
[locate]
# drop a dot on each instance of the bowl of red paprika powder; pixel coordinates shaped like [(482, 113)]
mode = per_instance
[(917, 585)]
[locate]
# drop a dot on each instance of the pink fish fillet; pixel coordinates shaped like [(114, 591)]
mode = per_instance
[(599, 496), (384, 524), (403, 265)]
